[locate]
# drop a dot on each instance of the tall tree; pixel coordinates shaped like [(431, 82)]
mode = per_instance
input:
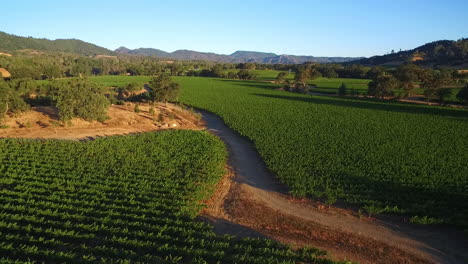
[(80, 98), (407, 74), (382, 86), (280, 78), (433, 84), (163, 89), (342, 89)]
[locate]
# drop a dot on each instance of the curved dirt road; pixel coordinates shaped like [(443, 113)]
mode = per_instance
[(250, 202)]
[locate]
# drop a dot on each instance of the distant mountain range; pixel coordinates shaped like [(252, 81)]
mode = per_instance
[(236, 57), (443, 52)]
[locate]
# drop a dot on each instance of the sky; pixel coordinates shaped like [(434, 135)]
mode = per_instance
[(318, 28)]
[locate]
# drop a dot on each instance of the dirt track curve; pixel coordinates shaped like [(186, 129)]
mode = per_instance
[(249, 202)]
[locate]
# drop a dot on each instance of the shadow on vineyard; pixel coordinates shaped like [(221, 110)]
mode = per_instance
[(372, 104), (437, 201), (254, 84)]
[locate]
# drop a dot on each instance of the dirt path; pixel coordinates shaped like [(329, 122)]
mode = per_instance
[(249, 202)]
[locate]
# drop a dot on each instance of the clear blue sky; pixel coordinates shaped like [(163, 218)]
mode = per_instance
[(318, 28)]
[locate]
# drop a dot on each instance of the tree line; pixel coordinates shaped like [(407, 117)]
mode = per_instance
[(80, 97), (396, 83)]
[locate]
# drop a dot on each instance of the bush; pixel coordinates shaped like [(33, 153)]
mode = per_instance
[(10, 100), (342, 90), (163, 89), (80, 98)]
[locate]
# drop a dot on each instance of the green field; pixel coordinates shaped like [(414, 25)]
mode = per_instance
[(331, 85), (119, 80), (386, 157), (323, 85), (122, 199), (270, 75)]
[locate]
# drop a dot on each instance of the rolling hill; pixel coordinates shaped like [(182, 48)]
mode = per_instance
[(236, 57), (442, 52), (9, 42)]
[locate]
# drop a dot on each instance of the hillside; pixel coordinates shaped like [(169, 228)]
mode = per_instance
[(442, 52), (9, 42), (236, 57)]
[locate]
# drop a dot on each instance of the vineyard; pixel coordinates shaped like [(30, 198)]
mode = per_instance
[(386, 157), (122, 199), (331, 85)]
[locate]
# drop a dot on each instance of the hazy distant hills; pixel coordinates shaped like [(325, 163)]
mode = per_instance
[(10, 42), (236, 57), (443, 52)]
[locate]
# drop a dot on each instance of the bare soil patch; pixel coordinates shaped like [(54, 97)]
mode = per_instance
[(43, 122)]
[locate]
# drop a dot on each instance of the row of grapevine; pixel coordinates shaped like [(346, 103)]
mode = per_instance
[(384, 156), (122, 199)]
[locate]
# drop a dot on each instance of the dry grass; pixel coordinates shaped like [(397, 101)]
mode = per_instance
[(43, 122)]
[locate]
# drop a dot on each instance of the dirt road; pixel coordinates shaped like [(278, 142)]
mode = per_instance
[(249, 202)]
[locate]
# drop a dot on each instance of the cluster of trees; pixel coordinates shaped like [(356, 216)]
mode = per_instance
[(79, 97), (443, 52), (52, 65), (219, 72), (39, 66), (163, 89), (11, 101), (402, 83), (399, 82), (73, 98)]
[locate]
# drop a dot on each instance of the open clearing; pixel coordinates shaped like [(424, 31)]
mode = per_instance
[(42, 122)]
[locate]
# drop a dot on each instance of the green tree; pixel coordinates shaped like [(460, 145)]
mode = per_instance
[(163, 89), (128, 90), (375, 72), (10, 100), (80, 98), (382, 86), (342, 90), (433, 85), (280, 78), (407, 74), (302, 76), (245, 75), (462, 95)]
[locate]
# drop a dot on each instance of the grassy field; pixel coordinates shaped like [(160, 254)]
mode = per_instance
[(270, 75), (386, 157), (323, 85), (331, 85), (118, 80), (122, 199)]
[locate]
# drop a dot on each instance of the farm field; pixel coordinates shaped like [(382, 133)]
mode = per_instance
[(270, 75), (323, 85), (122, 199), (331, 85), (383, 156)]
